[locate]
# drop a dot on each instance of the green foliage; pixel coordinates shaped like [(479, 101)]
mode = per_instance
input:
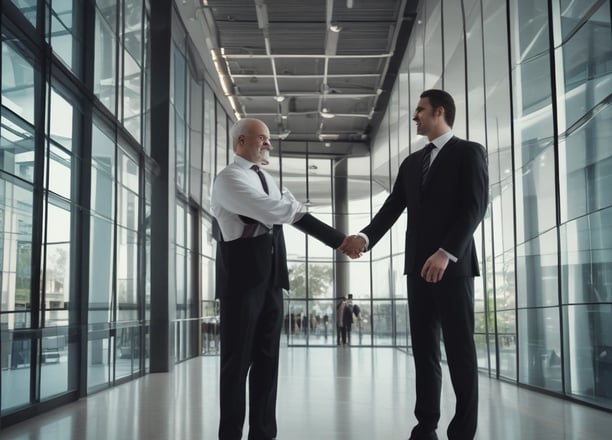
[(320, 279)]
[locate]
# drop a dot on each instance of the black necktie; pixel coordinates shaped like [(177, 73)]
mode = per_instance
[(262, 178), (426, 162), (251, 225)]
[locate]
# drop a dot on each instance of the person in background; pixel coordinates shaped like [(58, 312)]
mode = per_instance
[(347, 318)]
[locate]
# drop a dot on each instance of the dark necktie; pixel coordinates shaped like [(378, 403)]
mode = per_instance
[(261, 177), (252, 224), (426, 162)]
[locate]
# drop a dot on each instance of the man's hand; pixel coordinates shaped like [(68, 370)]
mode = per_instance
[(434, 267), (353, 246)]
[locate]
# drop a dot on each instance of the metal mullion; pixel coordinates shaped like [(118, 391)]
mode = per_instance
[(514, 203), (39, 216)]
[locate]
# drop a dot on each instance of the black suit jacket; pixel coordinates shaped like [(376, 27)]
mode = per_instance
[(253, 262), (444, 213)]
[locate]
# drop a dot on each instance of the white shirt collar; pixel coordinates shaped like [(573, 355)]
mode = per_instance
[(440, 141), (242, 162)]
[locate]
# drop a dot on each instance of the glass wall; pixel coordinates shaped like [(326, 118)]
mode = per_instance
[(76, 178), (545, 292)]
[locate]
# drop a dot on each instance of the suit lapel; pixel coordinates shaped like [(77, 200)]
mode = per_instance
[(440, 160)]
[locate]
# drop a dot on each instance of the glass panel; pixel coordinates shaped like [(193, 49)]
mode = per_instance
[(59, 171), (359, 278), (382, 278), (506, 333), (28, 8), (132, 93), (127, 274), (208, 146), (222, 141), (454, 62), (475, 77), (195, 140), (127, 351), (362, 325), (132, 37), (540, 348), (382, 323), (294, 178), (16, 247), (17, 130), (505, 288), (588, 347), (297, 279), (320, 280), (401, 323), (536, 271), (57, 266), (101, 242), (295, 324), (587, 68), (102, 173), (529, 20), (208, 244), (99, 359), (16, 366), (208, 279), (536, 197), (321, 326), (61, 38), (54, 377), (433, 43), (105, 57), (17, 85), (585, 166), (573, 12), (586, 259), (532, 110)]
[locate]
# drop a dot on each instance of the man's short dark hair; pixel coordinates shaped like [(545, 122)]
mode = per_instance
[(440, 98)]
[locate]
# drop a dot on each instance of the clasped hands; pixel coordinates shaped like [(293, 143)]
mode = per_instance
[(353, 246)]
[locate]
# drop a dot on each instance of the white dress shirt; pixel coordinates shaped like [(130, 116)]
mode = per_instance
[(238, 191)]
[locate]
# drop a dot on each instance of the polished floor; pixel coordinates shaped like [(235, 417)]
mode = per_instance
[(324, 393)]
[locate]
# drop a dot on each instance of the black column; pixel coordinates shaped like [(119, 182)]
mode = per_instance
[(341, 280), (162, 267)]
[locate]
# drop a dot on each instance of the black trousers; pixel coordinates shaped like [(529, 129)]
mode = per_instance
[(250, 325), (446, 307)]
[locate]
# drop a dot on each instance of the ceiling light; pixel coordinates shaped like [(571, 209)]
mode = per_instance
[(279, 98), (331, 43), (262, 14), (335, 28), (327, 144), (325, 114)]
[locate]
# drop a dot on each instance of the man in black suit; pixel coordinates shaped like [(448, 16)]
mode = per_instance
[(251, 273), (444, 187)]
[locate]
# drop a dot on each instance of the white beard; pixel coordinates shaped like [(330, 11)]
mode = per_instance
[(264, 157)]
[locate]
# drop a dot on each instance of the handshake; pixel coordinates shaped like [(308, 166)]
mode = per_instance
[(353, 246)]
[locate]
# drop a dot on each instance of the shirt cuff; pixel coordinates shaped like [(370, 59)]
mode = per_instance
[(450, 256), (367, 240)]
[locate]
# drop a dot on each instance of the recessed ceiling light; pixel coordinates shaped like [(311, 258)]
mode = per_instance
[(327, 144)]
